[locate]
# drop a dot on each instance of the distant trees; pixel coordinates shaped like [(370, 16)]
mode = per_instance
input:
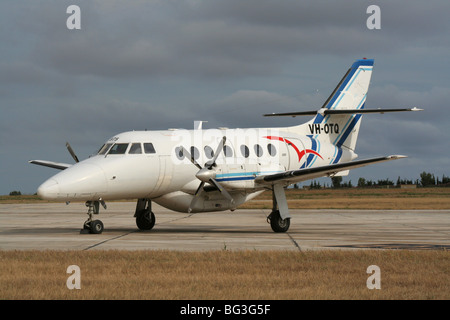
[(429, 180), (426, 180), (15, 193), (336, 182), (315, 185), (445, 180), (404, 181), (362, 182)]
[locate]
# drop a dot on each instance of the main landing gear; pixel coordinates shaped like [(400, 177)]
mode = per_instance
[(279, 218), (91, 225), (277, 223), (145, 218)]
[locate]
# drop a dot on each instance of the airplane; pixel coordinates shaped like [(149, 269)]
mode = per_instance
[(219, 169)]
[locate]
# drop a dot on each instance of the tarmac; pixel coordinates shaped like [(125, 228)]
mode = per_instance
[(56, 226)]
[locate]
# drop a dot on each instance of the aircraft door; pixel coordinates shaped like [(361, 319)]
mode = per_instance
[(284, 154), (149, 174), (296, 150), (165, 174)]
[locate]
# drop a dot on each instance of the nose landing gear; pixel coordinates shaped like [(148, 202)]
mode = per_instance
[(91, 225)]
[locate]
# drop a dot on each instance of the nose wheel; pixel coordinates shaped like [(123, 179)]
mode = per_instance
[(94, 227), (90, 225)]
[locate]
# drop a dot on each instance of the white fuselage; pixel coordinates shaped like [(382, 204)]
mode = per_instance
[(151, 165)]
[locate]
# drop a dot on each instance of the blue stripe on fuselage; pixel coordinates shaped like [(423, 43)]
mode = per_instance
[(239, 176)]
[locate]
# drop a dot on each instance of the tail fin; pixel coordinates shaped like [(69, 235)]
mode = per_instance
[(350, 93), (338, 121)]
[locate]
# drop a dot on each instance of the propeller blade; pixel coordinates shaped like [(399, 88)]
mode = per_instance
[(199, 188), (72, 153), (188, 155), (222, 190), (206, 174), (212, 162), (196, 197)]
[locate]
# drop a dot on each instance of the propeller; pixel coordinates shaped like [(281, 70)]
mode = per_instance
[(207, 174), (72, 153)]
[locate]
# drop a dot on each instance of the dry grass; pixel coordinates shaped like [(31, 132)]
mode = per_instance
[(225, 275), (355, 198)]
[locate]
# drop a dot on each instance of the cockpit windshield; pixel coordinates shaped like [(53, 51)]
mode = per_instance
[(121, 148), (118, 148), (104, 148)]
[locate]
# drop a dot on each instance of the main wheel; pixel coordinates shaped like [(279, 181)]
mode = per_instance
[(96, 227), (145, 219), (277, 223)]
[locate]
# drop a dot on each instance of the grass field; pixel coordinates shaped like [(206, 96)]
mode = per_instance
[(162, 275), (360, 198), (241, 275), (345, 198)]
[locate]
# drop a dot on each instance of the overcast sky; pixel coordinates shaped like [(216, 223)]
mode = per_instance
[(163, 64)]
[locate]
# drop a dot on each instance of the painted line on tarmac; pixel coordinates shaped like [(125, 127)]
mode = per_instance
[(127, 233), (295, 242), (104, 241)]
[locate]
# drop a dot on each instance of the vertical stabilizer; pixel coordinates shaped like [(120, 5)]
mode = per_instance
[(350, 93), (342, 129)]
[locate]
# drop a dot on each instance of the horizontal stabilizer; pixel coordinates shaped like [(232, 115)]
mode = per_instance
[(51, 164), (325, 112), (294, 176)]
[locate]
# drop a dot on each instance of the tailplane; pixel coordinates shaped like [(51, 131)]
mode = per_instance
[(338, 120)]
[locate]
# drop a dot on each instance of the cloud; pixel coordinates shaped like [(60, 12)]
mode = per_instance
[(163, 64), (221, 39)]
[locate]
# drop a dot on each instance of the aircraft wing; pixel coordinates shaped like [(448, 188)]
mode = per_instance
[(51, 164), (294, 176)]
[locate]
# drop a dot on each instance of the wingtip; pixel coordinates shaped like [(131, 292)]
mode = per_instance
[(396, 156)]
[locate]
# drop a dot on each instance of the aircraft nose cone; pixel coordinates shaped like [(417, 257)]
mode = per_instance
[(82, 181), (48, 190)]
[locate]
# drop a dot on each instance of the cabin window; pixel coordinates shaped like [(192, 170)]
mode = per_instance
[(272, 150), (227, 151), (118, 148), (245, 151), (148, 148), (104, 148), (179, 153), (195, 153), (258, 150), (209, 152), (135, 148)]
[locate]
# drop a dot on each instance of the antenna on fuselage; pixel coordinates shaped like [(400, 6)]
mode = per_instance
[(198, 124)]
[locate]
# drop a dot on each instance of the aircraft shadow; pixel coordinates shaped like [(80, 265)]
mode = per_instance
[(155, 230)]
